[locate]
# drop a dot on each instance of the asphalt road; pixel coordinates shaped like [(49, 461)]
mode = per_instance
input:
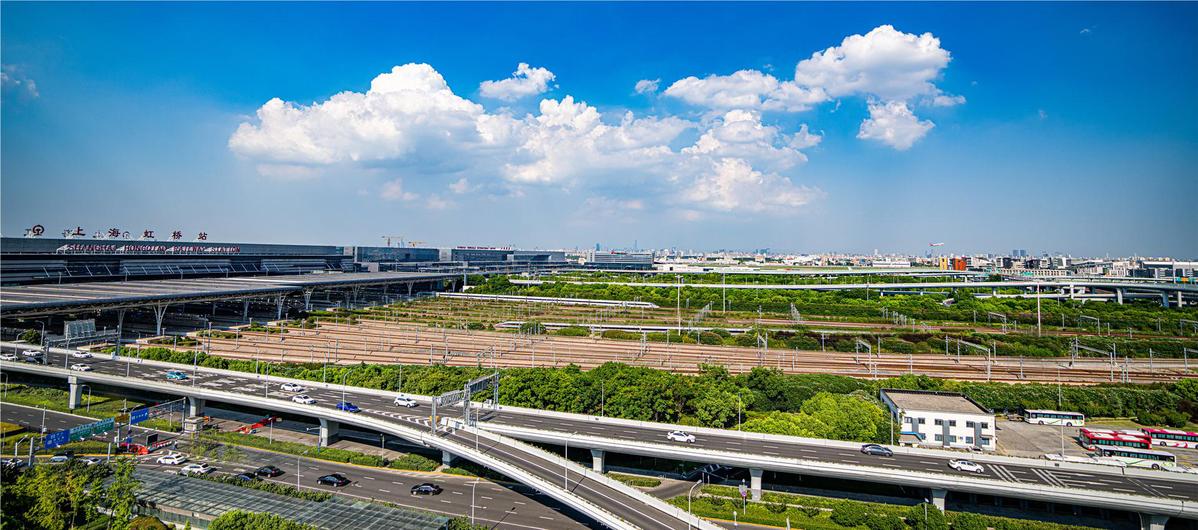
[(528, 458), (732, 442), (498, 505)]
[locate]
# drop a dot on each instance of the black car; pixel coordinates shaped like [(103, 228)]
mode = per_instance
[(245, 477), (335, 479), (428, 488), (876, 450), (268, 471)]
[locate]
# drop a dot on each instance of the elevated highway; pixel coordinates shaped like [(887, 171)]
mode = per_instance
[(1155, 494), (603, 499)]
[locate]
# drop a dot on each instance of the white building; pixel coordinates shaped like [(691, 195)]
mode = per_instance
[(941, 419)]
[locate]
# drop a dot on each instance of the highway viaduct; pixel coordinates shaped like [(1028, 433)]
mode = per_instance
[(1156, 495)]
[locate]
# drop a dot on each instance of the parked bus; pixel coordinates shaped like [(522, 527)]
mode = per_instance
[(1132, 457), (1172, 437), (1092, 439), (1055, 417)]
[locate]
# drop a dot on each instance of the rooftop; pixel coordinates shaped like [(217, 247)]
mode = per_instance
[(934, 401)]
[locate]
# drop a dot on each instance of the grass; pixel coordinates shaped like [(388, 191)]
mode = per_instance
[(754, 512), (633, 480)]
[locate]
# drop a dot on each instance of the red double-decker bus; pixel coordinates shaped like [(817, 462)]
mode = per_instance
[(1092, 439), (1171, 437)]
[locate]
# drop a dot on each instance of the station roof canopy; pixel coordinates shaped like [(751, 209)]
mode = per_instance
[(37, 300)]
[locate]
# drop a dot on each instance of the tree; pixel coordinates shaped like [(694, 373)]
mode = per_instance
[(969, 521), (121, 494), (715, 408), (50, 495), (146, 522)]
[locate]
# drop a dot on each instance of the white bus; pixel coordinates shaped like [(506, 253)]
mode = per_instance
[(1054, 417), (1134, 457)]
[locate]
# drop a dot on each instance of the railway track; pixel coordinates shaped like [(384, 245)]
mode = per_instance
[(384, 342)]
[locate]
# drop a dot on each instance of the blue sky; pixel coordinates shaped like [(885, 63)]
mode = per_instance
[(1052, 127)]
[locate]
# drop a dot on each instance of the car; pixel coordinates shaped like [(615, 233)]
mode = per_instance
[(81, 354), (245, 477), (426, 488), (292, 387), (172, 459), (347, 407), (404, 401), (303, 399), (198, 468), (176, 375), (876, 450), (966, 465), (681, 436), (60, 459), (336, 480), (32, 353), (90, 460), (268, 471), (12, 464), (33, 356), (8, 356), (80, 367)]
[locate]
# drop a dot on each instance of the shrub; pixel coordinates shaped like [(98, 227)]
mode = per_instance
[(810, 511), (925, 516), (849, 514), (532, 327), (573, 331), (969, 521), (776, 507)]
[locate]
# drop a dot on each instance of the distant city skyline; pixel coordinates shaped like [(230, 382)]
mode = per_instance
[(804, 128)]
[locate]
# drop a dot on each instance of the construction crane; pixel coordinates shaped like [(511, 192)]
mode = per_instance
[(415, 244), (389, 238)]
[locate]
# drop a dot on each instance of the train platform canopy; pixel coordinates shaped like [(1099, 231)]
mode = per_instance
[(46, 299)]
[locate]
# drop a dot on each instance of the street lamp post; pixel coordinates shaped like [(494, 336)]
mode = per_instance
[(688, 498)]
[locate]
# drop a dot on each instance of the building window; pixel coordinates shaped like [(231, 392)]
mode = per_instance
[(939, 422), (952, 423), (969, 440), (939, 438), (985, 441), (970, 424), (907, 420), (952, 439), (985, 425), (921, 421)]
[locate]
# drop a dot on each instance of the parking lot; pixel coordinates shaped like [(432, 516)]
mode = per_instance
[(1017, 438)]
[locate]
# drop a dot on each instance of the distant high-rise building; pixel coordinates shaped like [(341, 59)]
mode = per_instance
[(596, 247), (1019, 253)]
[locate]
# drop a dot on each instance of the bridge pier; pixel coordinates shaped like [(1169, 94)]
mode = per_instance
[(447, 458), (598, 460), (195, 407), (937, 496), (308, 299), (1164, 299), (1153, 522), (755, 483), (329, 430), (159, 312), (279, 307), (245, 310), (1179, 299), (76, 393), (1119, 296)]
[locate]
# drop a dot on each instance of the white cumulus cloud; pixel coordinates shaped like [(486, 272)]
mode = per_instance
[(733, 185), (410, 122), (647, 86), (745, 89), (13, 78), (893, 124), (525, 81)]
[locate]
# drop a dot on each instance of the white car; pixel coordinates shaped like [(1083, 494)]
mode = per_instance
[(8, 356), (303, 399), (90, 461), (81, 354), (172, 459), (80, 367), (31, 353), (681, 436), (292, 387), (404, 401), (966, 465), (196, 469)]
